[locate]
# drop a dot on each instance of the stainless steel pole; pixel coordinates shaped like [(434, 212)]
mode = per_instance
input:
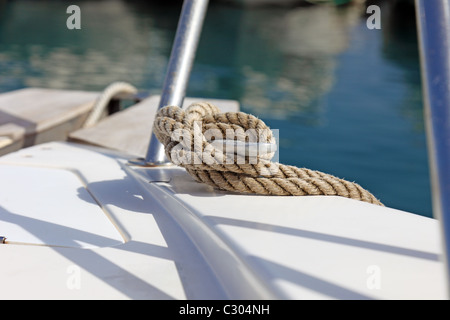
[(180, 64), (433, 20)]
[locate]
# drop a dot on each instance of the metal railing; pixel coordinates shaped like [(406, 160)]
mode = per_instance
[(433, 20), (179, 68)]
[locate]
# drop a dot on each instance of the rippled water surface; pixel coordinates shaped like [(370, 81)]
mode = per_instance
[(347, 100)]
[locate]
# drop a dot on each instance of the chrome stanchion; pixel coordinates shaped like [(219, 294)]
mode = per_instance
[(177, 76), (433, 20)]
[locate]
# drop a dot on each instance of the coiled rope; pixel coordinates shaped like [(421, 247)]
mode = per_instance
[(188, 136)]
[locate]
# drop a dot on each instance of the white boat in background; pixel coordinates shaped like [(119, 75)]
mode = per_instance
[(85, 222)]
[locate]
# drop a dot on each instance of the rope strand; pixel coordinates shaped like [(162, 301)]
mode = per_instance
[(187, 136)]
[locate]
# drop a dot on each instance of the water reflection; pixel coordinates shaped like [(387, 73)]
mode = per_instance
[(279, 66), (274, 67), (400, 46), (114, 44)]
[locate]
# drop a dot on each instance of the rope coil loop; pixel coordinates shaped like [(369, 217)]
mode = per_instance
[(193, 138)]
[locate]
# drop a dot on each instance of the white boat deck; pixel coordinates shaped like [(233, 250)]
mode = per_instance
[(36, 115), (81, 223)]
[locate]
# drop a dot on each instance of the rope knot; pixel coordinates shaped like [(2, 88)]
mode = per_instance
[(204, 138), (233, 151)]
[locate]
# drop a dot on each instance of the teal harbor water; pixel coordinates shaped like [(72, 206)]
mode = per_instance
[(346, 99)]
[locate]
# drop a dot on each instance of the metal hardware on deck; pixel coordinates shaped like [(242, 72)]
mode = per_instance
[(178, 70), (433, 19), (2, 240), (143, 162), (244, 149)]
